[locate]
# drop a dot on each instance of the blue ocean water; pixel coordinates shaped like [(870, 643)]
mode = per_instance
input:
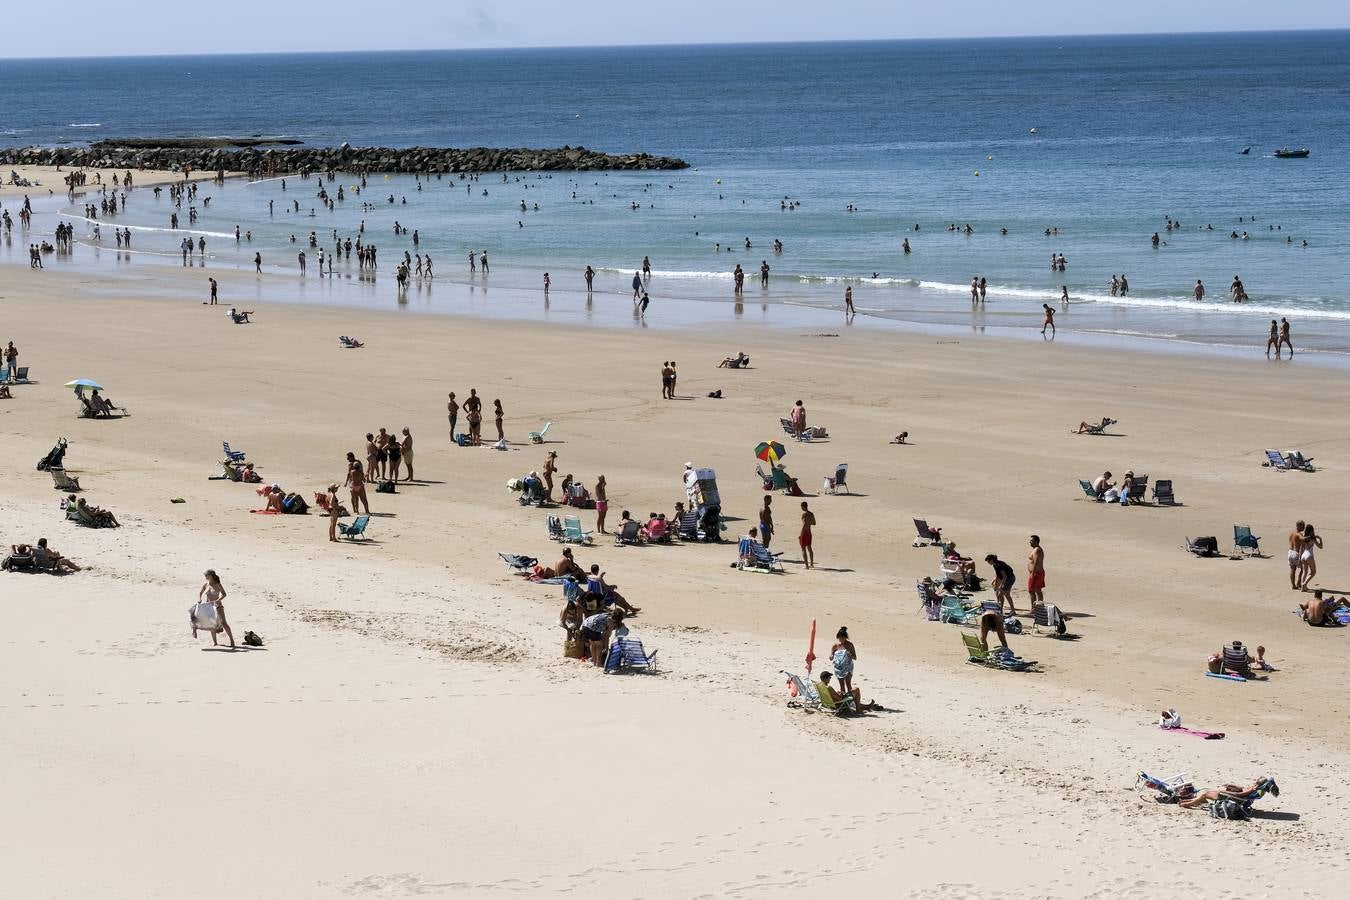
[(1102, 138)]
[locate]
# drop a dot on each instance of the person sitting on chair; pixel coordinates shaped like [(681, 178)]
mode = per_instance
[(744, 549), (964, 564), (842, 697), (1102, 483), (240, 317), (45, 557), (99, 517), (596, 584), (1200, 798), (655, 529)]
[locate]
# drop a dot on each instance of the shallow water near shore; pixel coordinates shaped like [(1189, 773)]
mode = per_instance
[(1086, 135)]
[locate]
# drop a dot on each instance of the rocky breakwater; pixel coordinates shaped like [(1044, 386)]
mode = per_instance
[(201, 155)]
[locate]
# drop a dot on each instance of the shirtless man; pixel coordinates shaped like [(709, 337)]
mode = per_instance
[(356, 481), (550, 466), (1284, 339), (473, 409), (1199, 290), (566, 565), (1320, 611), (1274, 339), (1295, 552), (667, 373), (1049, 319), (804, 539), (1036, 571)]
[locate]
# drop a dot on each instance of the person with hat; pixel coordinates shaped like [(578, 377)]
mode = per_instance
[(334, 507)]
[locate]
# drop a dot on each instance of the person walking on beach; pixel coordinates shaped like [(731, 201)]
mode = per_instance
[(804, 539), (257, 263), (472, 262), (975, 289), (1036, 572), (590, 277), (667, 389), (213, 592), (356, 482), (1274, 339), (642, 304), (1284, 339), (1124, 285), (764, 273), (848, 301), (483, 261), (1049, 319), (301, 258), (213, 291), (547, 282), (842, 656), (601, 504), (637, 287), (766, 520), (1199, 290)]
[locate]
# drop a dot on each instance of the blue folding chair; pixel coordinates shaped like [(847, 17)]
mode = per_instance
[(628, 653), (233, 455), (357, 528)]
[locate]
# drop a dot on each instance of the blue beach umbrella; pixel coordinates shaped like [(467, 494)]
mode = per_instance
[(80, 384)]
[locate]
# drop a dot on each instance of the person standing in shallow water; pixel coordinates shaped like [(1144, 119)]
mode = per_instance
[(1284, 339), (848, 301), (1274, 340), (590, 278)]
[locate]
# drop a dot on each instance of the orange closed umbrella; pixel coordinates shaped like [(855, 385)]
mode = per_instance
[(811, 649)]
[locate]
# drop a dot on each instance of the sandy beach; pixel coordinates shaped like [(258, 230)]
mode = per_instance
[(411, 728)]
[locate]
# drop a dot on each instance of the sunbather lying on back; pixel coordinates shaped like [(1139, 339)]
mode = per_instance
[(45, 556), (1200, 798), (1085, 428), (964, 564)]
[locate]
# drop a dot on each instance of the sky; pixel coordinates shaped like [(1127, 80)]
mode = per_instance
[(98, 28)]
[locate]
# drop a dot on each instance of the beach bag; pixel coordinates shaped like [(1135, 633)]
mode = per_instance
[(461, 439), (385, 487), (1208, 545), (1228, 808), (204, 616), (1012, 625), (574, 647), (251, 639)]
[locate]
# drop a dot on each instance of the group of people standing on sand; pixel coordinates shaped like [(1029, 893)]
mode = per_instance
[(1304, 543), (472, 407)]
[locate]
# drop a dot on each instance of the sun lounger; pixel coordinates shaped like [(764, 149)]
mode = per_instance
[(1275, 460), (925, 535), (629, 533), (628, 653), (1235, 661), (63, 482), (1239, 806), (233, 455), (1203, 546), (996, 658), (519, 565), (537, 437), (1297, 460), (955, 611), (1246, 542), (1162, 492), (755, 557), (572, 532), (806, 696), (838, 484), (356, 529)]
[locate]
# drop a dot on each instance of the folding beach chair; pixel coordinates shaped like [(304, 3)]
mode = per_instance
[(1235, 661), (1239, 806), (1088, 490), (356, 529), (1203, 546), (1275, 460), (787, 428), (573, 533), (807, 697), (1296, 459), (925, 535), (954, 611), (519, 565), (761, 560), (1139, 489), (628, 653), (630, 533), (687, 527), (998, 658), (843, 707), (537, 437), (233, 455), (21, 375), (1246, 542), (63, 482), (555, 529), (1047, 616), (1162, 492), (838, 483)]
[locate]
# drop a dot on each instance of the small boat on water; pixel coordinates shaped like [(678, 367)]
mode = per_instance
[(1244, 151), (1286, 153)]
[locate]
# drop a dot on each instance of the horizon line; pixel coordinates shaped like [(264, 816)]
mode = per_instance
[(678, 44)]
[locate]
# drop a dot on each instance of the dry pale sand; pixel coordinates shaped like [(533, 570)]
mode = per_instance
[(48, 180), (410, 727)]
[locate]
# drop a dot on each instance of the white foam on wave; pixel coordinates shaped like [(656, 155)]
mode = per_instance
[(84, 124), (149, 228)]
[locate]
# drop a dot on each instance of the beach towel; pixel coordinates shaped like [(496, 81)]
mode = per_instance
[(265, 512), (204, 616), (1207, 735)]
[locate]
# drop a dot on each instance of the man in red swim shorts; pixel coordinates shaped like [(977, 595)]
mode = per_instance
[(1036, 571), (808, 520)]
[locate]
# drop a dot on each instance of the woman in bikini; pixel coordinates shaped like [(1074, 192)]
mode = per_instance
[(356, 481), (1307, 559), (213, 592), (372, 457), (498, 415), (601, 505)]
